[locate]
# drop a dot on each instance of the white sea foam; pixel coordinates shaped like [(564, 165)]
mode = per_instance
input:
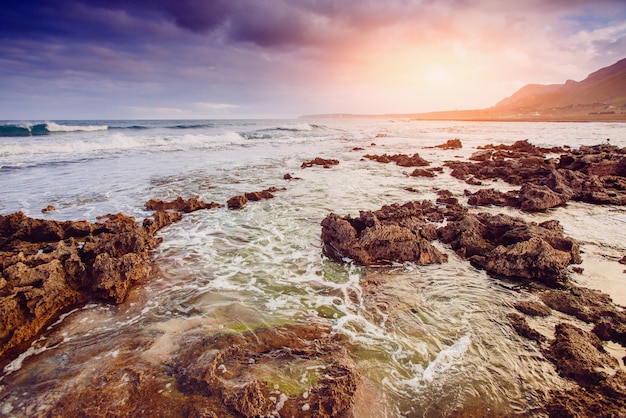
[(55, 127), (448, 358)]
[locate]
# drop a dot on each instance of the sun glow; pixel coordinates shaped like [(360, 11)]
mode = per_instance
[(437, 75)]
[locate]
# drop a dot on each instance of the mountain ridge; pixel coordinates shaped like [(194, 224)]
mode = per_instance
[(601, 96)]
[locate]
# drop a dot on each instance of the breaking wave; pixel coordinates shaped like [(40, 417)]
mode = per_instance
[(29, 129)]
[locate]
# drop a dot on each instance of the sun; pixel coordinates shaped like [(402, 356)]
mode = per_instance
[(437, 75)]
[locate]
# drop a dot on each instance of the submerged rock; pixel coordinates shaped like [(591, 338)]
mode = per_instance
[(392, 234), (260, 372)]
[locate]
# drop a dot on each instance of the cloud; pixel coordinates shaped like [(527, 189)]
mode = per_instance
[(215, 106)]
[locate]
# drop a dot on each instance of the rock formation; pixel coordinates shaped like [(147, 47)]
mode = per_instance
[(326, 163), (49, 267), (392, 234)]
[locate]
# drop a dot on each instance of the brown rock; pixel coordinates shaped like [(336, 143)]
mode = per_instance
[(402, 160), (180, 205), (450, 144), (511, 247), (50, 266), (326, 163), (533, 308), (419, 172), (48, 208), (392, 234), (580, 356), (536, 198), (518, 322), (237, 202)]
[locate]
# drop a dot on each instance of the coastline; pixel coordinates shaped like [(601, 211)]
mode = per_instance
[(187, 385)]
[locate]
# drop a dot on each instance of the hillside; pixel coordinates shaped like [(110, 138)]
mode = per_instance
[(599, 97)]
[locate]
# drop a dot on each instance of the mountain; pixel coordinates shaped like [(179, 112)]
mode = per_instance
[(599, 97), (602, 92)]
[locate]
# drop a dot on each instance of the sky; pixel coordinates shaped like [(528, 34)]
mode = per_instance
[(184, 59)]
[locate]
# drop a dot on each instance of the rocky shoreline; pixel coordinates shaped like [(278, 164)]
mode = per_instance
[(50, 267)]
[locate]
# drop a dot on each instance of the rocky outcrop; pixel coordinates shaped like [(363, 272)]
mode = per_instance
[(530, 198), (450, 144), (237, 202), (49, 267), (392, 234), (325, 163), (579, 355), (181, 205), (510, 247), (588, 174), (402, 160)]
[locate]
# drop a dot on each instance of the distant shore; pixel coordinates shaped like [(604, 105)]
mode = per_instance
[(486, 115)]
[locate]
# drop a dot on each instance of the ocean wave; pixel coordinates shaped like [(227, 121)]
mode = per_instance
[(279, 131), (29, 129), (192, 126)]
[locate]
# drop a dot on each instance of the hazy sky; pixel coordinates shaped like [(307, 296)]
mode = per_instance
[(131, 59)]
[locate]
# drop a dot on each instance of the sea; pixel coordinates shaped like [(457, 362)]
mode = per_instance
[(432, 339)]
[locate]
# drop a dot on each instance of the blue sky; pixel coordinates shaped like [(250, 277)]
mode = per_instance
[(115, 59)]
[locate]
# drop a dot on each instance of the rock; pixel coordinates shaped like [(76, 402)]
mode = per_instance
[(392, 234), (580, 356), (48, 208), (481, 156), (326, 163), (488, 197), (402, 160), (219, 367), (237, 202), (419, 172), (623, 260), (537, 198), (532, 308), (180, 205), (450, 144), (510, 247), (588, 305), (50, 266), (518, 322)]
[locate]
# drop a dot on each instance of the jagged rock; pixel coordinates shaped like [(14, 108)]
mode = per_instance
[(180, 205), (402, 160), (48, 208), (420, 172), (326, 163), (510, 247), (450, 144), (580, 356), (393, 233), (487, 197), (49, 266), (237, 202), (536, 198), (588, 305)]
